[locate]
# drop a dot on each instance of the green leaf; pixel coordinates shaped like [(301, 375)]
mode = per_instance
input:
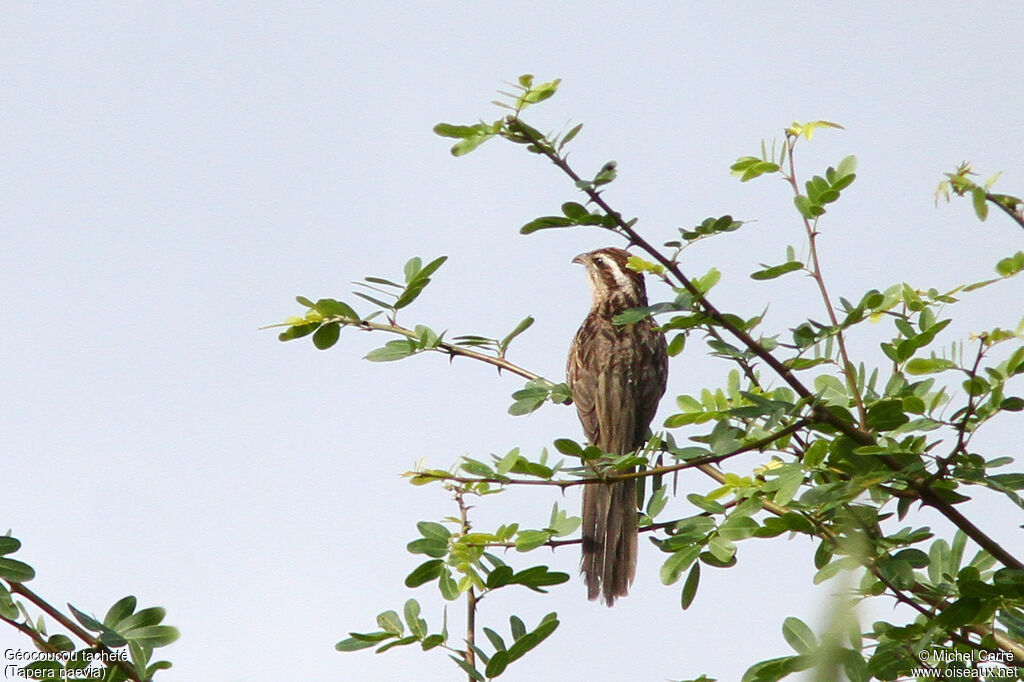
[(961, 612), (677, 563), (496, 666), (848, 166), (750, 167), (722, 549), (1010, 582), (375, 301), (353, 644), (657, 501), (447, 586), (773, 669), (705, 504), (676, 345), (9, 545), (1011, 265), (417, 626), (424, 573), (433, 530), (121, 609), (886, 415), (431, 267), (392, 350), (690, 587), (915, 557), (738, 528), (531, 539), (544, 223), (574, 211), (607, 174), (431, 641), (570, 135), (143, 618), (16, 571), (799, 636), (1008, 481), (519, 329), (567, 446), (468, 669), (328, 307), (918, 366), (298, 331), (428, 546), (777, 270), (537, 577), (388, 621), (87, 621), (470, 137), (499, 577), (517, 626), (457, 131), (326, 336), (980, 205), (807, 208), (154, 636), (631, 316), (530, 640)]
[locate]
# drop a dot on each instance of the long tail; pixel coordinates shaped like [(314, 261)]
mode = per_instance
[(609, 539)]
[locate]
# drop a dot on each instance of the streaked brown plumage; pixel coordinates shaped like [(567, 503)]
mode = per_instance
[(617, 374)]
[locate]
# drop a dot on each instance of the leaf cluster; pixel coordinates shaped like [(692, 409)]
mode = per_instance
[(122, 642)]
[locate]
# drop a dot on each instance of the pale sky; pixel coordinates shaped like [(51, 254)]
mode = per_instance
[(173, 174)]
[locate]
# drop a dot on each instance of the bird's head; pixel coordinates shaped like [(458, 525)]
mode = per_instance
[(614, 286)]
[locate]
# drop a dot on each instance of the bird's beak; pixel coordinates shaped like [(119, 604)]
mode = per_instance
[(581, 259)]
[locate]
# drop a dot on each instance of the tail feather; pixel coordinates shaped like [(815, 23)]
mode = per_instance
[(609, 539)]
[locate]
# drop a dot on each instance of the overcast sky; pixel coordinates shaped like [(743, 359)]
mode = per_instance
[(173, 174)]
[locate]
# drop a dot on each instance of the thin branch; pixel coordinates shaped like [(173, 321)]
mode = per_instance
[(71, 626), (31, 633), (574, 541), (1010, 205), (470, 654), (812, 234), (451, 349), (961, 428), (696, 462)]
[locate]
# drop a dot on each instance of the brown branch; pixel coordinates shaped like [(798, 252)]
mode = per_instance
[(812, 234), (1012, 206), (696, 462), (961, 428), (31, 633), (451, 349), (471, 599), (71, 626)]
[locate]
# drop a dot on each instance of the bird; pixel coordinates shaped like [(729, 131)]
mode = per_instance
[(616, 375)]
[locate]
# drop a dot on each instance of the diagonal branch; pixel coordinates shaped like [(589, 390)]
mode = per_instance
[(450, 349), (112, 658), (921, 486)]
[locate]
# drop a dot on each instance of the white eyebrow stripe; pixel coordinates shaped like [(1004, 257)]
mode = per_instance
[(622, 278)]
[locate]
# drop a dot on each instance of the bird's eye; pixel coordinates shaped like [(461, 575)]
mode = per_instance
[(598, 261)]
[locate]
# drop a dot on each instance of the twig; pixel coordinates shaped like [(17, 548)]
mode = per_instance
[(696, 462), (961, 429), (470, 655), (443, 347), (812, 234)]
